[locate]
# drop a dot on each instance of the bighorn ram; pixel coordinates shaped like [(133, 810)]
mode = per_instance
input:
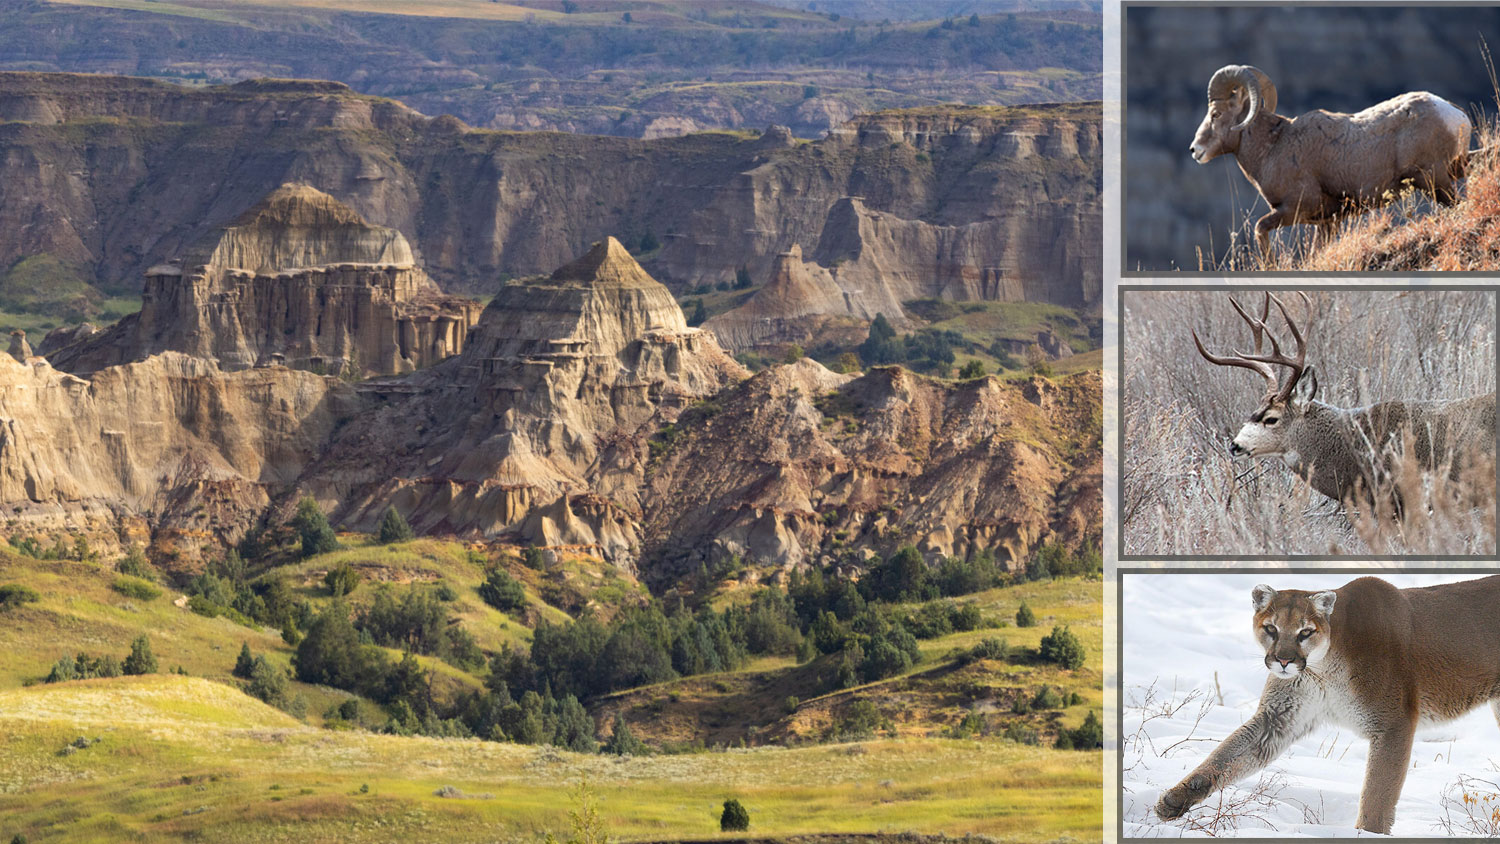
[(1317, 167), (1349, 454)]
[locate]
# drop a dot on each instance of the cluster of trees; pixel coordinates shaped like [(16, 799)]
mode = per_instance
[(927, 350), (84, 667), (266, 681), (586, 657), (62, 549), (224, 589), (420, 622), (502, 591), (13, 595), (333, 652)]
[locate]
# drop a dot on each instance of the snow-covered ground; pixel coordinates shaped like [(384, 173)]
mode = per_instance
[(1182, 634)]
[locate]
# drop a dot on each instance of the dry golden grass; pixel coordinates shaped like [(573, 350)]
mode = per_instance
[(1409, 235), (1181, 492)]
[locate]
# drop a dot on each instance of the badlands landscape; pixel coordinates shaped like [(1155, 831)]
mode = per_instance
[(366, 473)]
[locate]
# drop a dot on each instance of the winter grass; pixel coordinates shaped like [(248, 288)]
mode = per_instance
[(1181, 493)]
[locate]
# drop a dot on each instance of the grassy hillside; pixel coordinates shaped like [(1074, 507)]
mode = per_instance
[(168, 757), (187, 759)]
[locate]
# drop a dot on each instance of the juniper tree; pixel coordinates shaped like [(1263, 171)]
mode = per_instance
[(393, 528), (141, 659)]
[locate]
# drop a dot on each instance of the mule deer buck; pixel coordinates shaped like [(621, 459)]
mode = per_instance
[(1349, 454)]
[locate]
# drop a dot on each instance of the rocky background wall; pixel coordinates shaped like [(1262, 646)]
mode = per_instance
[(115, 175)]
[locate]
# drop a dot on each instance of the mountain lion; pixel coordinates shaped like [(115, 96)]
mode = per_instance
[(1368, 657)]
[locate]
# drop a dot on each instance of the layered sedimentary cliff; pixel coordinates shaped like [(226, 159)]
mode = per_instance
[(810, 465), (172, 451), (583, 412), (298, 279), (538, 428), (119, 175)]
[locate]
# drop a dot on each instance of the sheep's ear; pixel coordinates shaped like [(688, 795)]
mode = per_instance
[(1323, 602), (1261, 596)]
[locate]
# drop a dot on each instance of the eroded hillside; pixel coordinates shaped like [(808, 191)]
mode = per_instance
[(581, 413), (109, 176)]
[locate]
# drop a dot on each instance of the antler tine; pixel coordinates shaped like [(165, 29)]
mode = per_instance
[(1241, 361), (1257, 326), (1295, 364)]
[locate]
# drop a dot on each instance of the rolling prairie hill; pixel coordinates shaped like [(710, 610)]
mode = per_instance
[(169, 757)]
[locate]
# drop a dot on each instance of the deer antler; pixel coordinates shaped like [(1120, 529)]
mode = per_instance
[(1261, 363), (1297, 364)]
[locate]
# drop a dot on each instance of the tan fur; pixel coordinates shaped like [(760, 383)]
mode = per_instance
[(1381, 660)]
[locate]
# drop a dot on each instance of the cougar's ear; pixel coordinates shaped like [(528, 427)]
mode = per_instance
[(1323, 602), (1307, 387), (1261, 595)]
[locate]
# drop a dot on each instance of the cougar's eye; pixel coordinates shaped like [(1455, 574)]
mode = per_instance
[(1270, 630), (1307, 631)]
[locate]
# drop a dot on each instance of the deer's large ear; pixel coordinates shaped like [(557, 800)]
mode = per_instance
[(1261, 595), (1307, 387)]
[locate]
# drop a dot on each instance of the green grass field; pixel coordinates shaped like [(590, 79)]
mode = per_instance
[(194, 758), (189, 759)]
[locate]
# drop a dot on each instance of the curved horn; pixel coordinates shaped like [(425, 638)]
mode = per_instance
[(1258, 87)]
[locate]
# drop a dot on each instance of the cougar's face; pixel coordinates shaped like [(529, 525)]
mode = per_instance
[(1293, 627)]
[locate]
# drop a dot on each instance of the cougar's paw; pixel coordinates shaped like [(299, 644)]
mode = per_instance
[(1181, 797)]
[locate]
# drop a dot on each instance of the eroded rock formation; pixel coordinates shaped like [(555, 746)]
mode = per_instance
[(809, 465), (583, 413), (185, 453), (538, 428), (119, 175), (298, 279)]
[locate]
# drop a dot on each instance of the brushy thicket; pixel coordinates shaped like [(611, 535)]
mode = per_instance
[(1182, 494)]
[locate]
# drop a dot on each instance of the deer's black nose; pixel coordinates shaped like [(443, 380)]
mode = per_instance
[(1235, 448)]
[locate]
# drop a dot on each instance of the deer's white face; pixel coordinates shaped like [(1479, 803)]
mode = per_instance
[(1274, 427), (1266, 432)]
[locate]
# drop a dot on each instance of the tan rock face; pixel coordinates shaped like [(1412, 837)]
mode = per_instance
[(198, 450), (539, 427), (583, 413), (957, 201), (809, 465), (297, 227), (301, 280)]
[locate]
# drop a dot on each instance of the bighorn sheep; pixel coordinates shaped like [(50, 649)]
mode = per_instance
[(1349, 455), (1322, 165)]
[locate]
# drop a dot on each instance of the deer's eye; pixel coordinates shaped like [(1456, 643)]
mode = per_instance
[(1268, 421), (1306, 631), (1217, 113)]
